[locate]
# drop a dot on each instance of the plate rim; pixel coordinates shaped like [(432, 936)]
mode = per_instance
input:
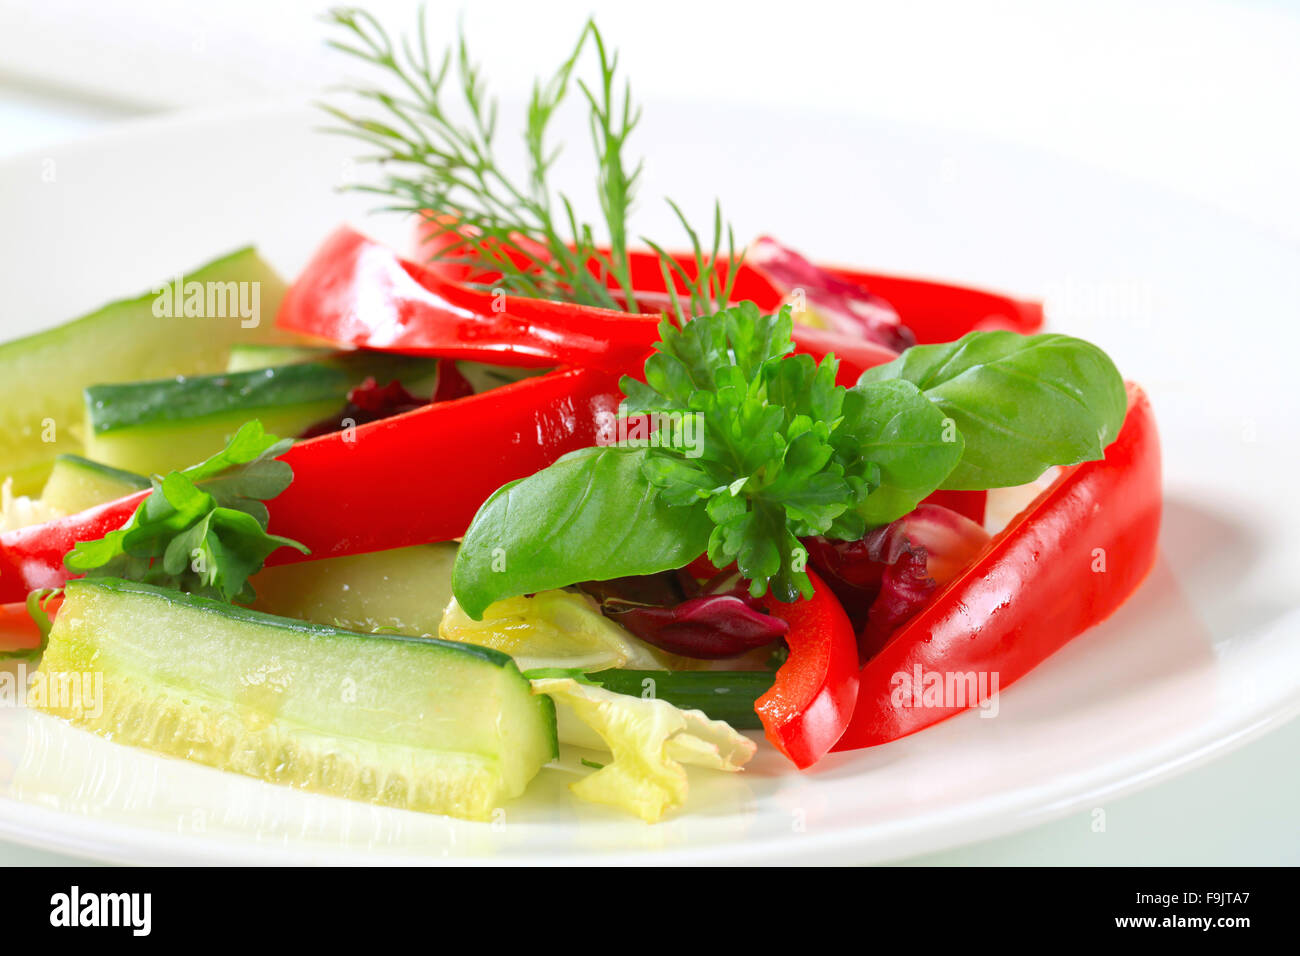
[(999, 814)]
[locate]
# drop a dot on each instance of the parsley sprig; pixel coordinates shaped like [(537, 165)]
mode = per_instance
[(750, 448), (203, 529), (775, 456)]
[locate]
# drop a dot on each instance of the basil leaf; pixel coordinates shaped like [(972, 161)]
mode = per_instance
[(592, 515), (1022, 403), (914, 444)]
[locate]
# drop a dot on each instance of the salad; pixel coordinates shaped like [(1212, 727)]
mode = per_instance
[(541, 492)]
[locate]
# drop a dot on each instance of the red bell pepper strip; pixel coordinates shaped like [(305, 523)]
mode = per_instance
[(410, 479), (422, 476), (32, 557), (934, 311), (437, 237), (18, 632), (358, 292), (1064, 564), (812, 697), (970, 504)]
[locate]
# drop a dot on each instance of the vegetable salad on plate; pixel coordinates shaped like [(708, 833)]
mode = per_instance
[(540, 488)]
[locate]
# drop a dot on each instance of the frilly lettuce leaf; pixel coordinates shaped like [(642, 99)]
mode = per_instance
[(649, 740), (551, 629)]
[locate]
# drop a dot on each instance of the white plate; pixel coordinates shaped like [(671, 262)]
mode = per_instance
[(1198, 307)]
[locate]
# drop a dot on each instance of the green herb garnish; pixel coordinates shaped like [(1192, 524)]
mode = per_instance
[(758, 448), (201, 530), (775, 454), (448, 171), (1022, 403), (37, 602), (37, 610)]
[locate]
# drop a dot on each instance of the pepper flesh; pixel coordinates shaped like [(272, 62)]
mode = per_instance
[(18, 632), (32, 557), (422, 476), (358, 292), (1064, 564), (812, 697), (933, 311)]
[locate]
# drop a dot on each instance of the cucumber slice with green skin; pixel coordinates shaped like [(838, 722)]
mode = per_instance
[(405, 590), (77, 483), (244, 357), (722, 695), (154, 427), (42, 375), (406, 722), (483, 377)]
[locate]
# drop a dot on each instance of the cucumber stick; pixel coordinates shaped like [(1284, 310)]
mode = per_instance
[(156, 426), (42, 376), (406, 722), (245, 357), (77, 483), (722, 695), (483, 378), (404, 590)]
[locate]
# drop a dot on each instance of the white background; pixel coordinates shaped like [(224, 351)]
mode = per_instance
[(1198, 98)]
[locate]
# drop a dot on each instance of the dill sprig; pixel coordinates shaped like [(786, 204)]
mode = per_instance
[(433, 134)]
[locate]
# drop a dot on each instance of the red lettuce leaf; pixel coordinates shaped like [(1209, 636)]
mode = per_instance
[(890, 574), (672, 612), (370, 401), (451, 384), (844, 306), (905, 588)]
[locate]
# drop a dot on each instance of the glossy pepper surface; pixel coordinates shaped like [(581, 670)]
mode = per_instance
[(358, 292), (812, 697), (1064, 564)]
